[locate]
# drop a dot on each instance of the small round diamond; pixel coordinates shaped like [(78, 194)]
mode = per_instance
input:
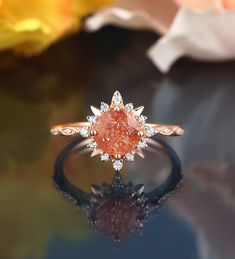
[(149, 132), (117, 165), (130, 157), (104, 107), (142, 119), (142, 144), (92, 144), (84, 132), (92, 119), (129, 107), (104, 157)]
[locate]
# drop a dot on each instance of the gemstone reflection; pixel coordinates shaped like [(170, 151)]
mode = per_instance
[(117, 219)]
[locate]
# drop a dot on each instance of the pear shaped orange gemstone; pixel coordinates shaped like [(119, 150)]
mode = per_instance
[(117, 132)]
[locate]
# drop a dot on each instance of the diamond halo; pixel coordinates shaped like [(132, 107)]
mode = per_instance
[(115, 111)]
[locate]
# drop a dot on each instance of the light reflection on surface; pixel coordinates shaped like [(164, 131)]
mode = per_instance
[(117, 208)]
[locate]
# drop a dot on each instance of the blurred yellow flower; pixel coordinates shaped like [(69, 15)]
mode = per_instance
[(29, 26)]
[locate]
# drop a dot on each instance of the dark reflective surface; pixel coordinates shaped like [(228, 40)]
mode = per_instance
[(58, 86), (118, 208)]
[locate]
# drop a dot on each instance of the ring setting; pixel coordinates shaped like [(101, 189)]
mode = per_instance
[(116, 132)]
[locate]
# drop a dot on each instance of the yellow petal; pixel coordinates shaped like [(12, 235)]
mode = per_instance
[(29, 26)]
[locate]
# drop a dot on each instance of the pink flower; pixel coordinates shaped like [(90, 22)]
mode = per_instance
[(206, 4), (194, 28)]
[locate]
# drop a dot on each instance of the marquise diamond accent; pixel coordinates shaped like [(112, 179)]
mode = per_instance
[(117, 98), (166, 131), (68, 131)]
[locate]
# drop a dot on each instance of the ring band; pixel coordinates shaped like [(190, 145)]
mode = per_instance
[(117, 131), (127, 195), (74, 129)]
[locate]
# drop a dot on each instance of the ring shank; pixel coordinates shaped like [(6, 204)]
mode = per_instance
[(68, 129)]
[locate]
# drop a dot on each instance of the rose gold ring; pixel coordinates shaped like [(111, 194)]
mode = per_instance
[(116, 131)]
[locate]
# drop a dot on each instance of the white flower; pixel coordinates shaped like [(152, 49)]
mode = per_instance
[(197, 29)]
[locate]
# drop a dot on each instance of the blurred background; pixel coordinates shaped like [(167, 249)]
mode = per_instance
[(42, 84)]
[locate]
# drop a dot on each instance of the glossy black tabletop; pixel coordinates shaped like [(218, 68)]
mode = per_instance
[(197, 222)]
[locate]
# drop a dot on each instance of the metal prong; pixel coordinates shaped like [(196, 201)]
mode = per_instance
[(117, 156), (138, 189), (141, 225), (96, 189), (95, 110), (140, 153), (93, 132), (116, 108), (139, 110), (95, 152)]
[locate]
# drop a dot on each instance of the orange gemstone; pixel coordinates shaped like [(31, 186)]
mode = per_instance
[(117, 132)]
